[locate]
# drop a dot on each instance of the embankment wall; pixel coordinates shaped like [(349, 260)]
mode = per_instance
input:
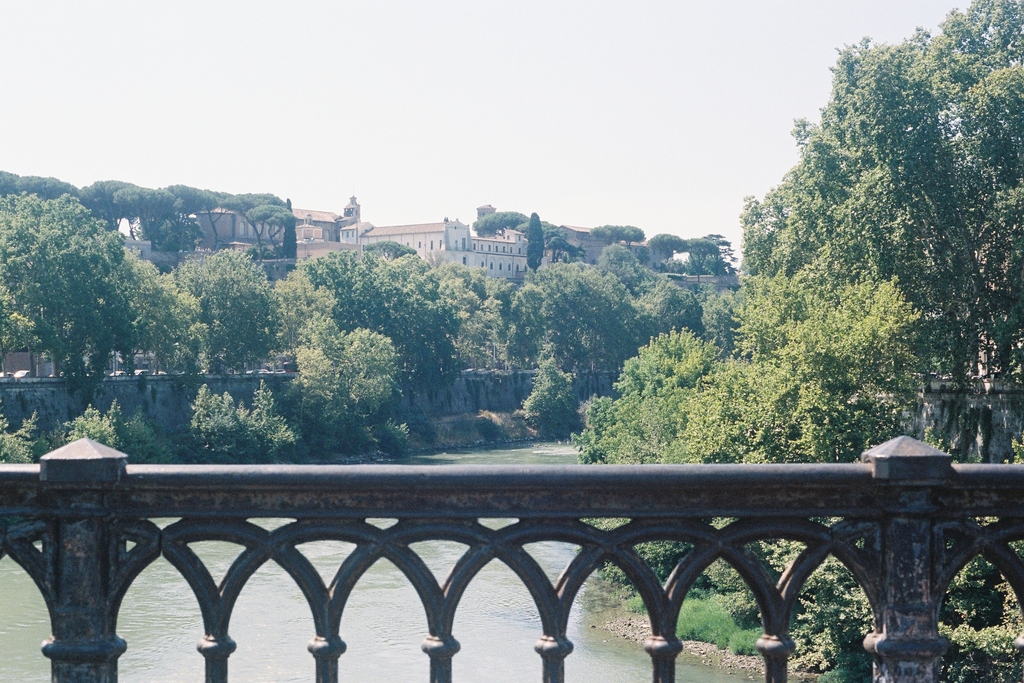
[(979, 424), (167, 399)]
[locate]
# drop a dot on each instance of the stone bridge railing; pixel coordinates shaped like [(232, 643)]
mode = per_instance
[(905, 521)]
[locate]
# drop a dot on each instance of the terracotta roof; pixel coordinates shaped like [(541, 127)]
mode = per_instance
[(575, 228), (323, 216)]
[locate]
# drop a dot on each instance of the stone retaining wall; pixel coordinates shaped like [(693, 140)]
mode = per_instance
[(167, 399)]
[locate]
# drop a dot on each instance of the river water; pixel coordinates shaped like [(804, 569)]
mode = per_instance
[(383, 625)]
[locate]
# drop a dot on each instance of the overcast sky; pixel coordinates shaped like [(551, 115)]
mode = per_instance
[(662, 115)]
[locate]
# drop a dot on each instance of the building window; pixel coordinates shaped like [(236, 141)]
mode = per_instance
[(488, 247), (419, 245), (463, 245), (463, 260), (499, 266), (492, 265)]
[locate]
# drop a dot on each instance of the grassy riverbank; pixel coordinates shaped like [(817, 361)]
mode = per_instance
[(700, 627)]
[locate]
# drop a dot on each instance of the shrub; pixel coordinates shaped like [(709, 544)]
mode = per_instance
[(488, 429), (222, 433), (134, 436), (552, 407), (17, 446), (391, 438)]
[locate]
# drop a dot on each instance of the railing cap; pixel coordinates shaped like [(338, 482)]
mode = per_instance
[(82, 462), (906, 458)]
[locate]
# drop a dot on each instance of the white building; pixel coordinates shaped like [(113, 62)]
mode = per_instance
[(319, 232)]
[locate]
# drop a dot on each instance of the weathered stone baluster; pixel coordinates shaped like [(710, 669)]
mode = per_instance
[(84, 647), (908, 648)]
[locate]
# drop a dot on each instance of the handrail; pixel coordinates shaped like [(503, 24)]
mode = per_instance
[(904, 521)]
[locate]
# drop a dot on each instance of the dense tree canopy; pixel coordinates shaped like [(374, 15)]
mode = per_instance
[(665, 245), (580, 316), (389, 249), (62, 270), (236, 307), (618, 233), (916, 172), (399, 299), (822, 375)]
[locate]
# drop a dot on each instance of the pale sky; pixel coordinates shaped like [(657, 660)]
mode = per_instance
[(662, 115)]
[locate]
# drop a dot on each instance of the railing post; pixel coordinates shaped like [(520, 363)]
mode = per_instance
[(906, 643), (84, 646)]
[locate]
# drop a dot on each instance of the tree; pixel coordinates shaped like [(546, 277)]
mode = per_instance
[(268, 215), (915, 173), (165, 318), (552, 406), (498, 222), (665, 246), (560, 248), (645, 420), (61, 267), (669, 307), (719, 318), (581, 317), (269, 220), (620, 262), (346, 382), (236, 306), (181, 230), (705, 256), (617, 233), (100, 199), (289, 248), (389, 250), (15, 327), (534, 243), (482, 305), (299, 301), (147, 211), (399, 299), (44, 188)]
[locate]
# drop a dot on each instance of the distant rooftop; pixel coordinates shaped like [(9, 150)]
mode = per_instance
[(322, 216)]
